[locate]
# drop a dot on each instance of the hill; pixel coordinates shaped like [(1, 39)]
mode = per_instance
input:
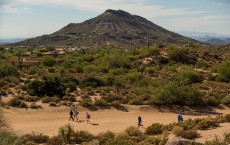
[(114, 28)]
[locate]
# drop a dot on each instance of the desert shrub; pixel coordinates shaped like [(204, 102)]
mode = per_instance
[(178, 54), (154, 129), (105, 137), (68, 98), (101, 102), (8, 70), (49, 62), (188, 134), (35, 106), (86, 103), (82, 136), (225, 100), (117, 71), (152, 50), (56, 140), (15, 102), (3, 125), (153, 140), (133, 131), (71, 86), (3, 82), (174, 93), (48, 99), (121, 139), (151, 70), (136, 101), (54, 104), (189, 75), (37, 138), (66, 132), (202, 63), (223, 71), (30, 98), (91, 82), (9, 138), (118, 62), (227, 137), (42, 88), (204, 124), (211, 101), (227, 117)]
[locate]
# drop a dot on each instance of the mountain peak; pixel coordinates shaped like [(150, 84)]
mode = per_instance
[(119, 13)]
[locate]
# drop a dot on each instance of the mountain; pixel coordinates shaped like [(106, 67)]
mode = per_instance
[(9, 40), (213, 40), (209, 38), (113, 27)]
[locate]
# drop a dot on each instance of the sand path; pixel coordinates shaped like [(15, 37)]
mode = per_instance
[(49, 119)]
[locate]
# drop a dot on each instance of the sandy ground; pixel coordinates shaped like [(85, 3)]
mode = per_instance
[(49, 119)]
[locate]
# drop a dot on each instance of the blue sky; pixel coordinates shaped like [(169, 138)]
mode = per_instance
[(31, 18)]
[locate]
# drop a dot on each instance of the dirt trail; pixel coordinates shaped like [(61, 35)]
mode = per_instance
[(49, 119)]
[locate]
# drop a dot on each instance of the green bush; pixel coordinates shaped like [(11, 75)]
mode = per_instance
[(50, 99), (153, 140), (223, 71), (105, 137), (189, 75), (174, 93), (42, 87), (37, 138), (35, 106), (225, 100), (154, 129), (121, 139), (86, 103), (8, 70), (202, 63), (92, 82), (101, 102), (49, 62), (211, 101), (82, 136), (178, 54), (15, 102), (54, 104), (133, 131), (188, 134), (55, 140)]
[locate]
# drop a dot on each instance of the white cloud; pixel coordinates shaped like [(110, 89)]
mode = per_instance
[(13, 9), (98, 6)]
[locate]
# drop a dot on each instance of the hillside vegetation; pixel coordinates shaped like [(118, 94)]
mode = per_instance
[(158, 75)]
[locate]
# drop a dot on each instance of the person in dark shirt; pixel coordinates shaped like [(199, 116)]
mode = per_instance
[(71, 115), (139, 121)]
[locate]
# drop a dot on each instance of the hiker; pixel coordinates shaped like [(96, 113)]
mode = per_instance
[(181, 118), (87, 117), (139, 121), (178, 117), (75, 113), (71, 115)]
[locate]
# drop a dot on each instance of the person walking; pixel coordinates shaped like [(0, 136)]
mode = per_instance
[(71, 115), (139, 121), (87, 117), (75, 113)]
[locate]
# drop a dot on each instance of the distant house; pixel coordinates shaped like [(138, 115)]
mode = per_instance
[(25, 63), (26, 53), (53, 53)]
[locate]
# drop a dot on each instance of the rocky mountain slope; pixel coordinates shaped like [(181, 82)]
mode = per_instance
[(113, 27)]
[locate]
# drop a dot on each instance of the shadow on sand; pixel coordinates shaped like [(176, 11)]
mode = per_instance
[(197, 110), (96, 108)]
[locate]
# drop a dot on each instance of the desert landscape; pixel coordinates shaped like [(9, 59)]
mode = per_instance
[(132, 72)]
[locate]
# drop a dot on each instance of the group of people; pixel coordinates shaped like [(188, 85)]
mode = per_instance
[(73, 114)]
